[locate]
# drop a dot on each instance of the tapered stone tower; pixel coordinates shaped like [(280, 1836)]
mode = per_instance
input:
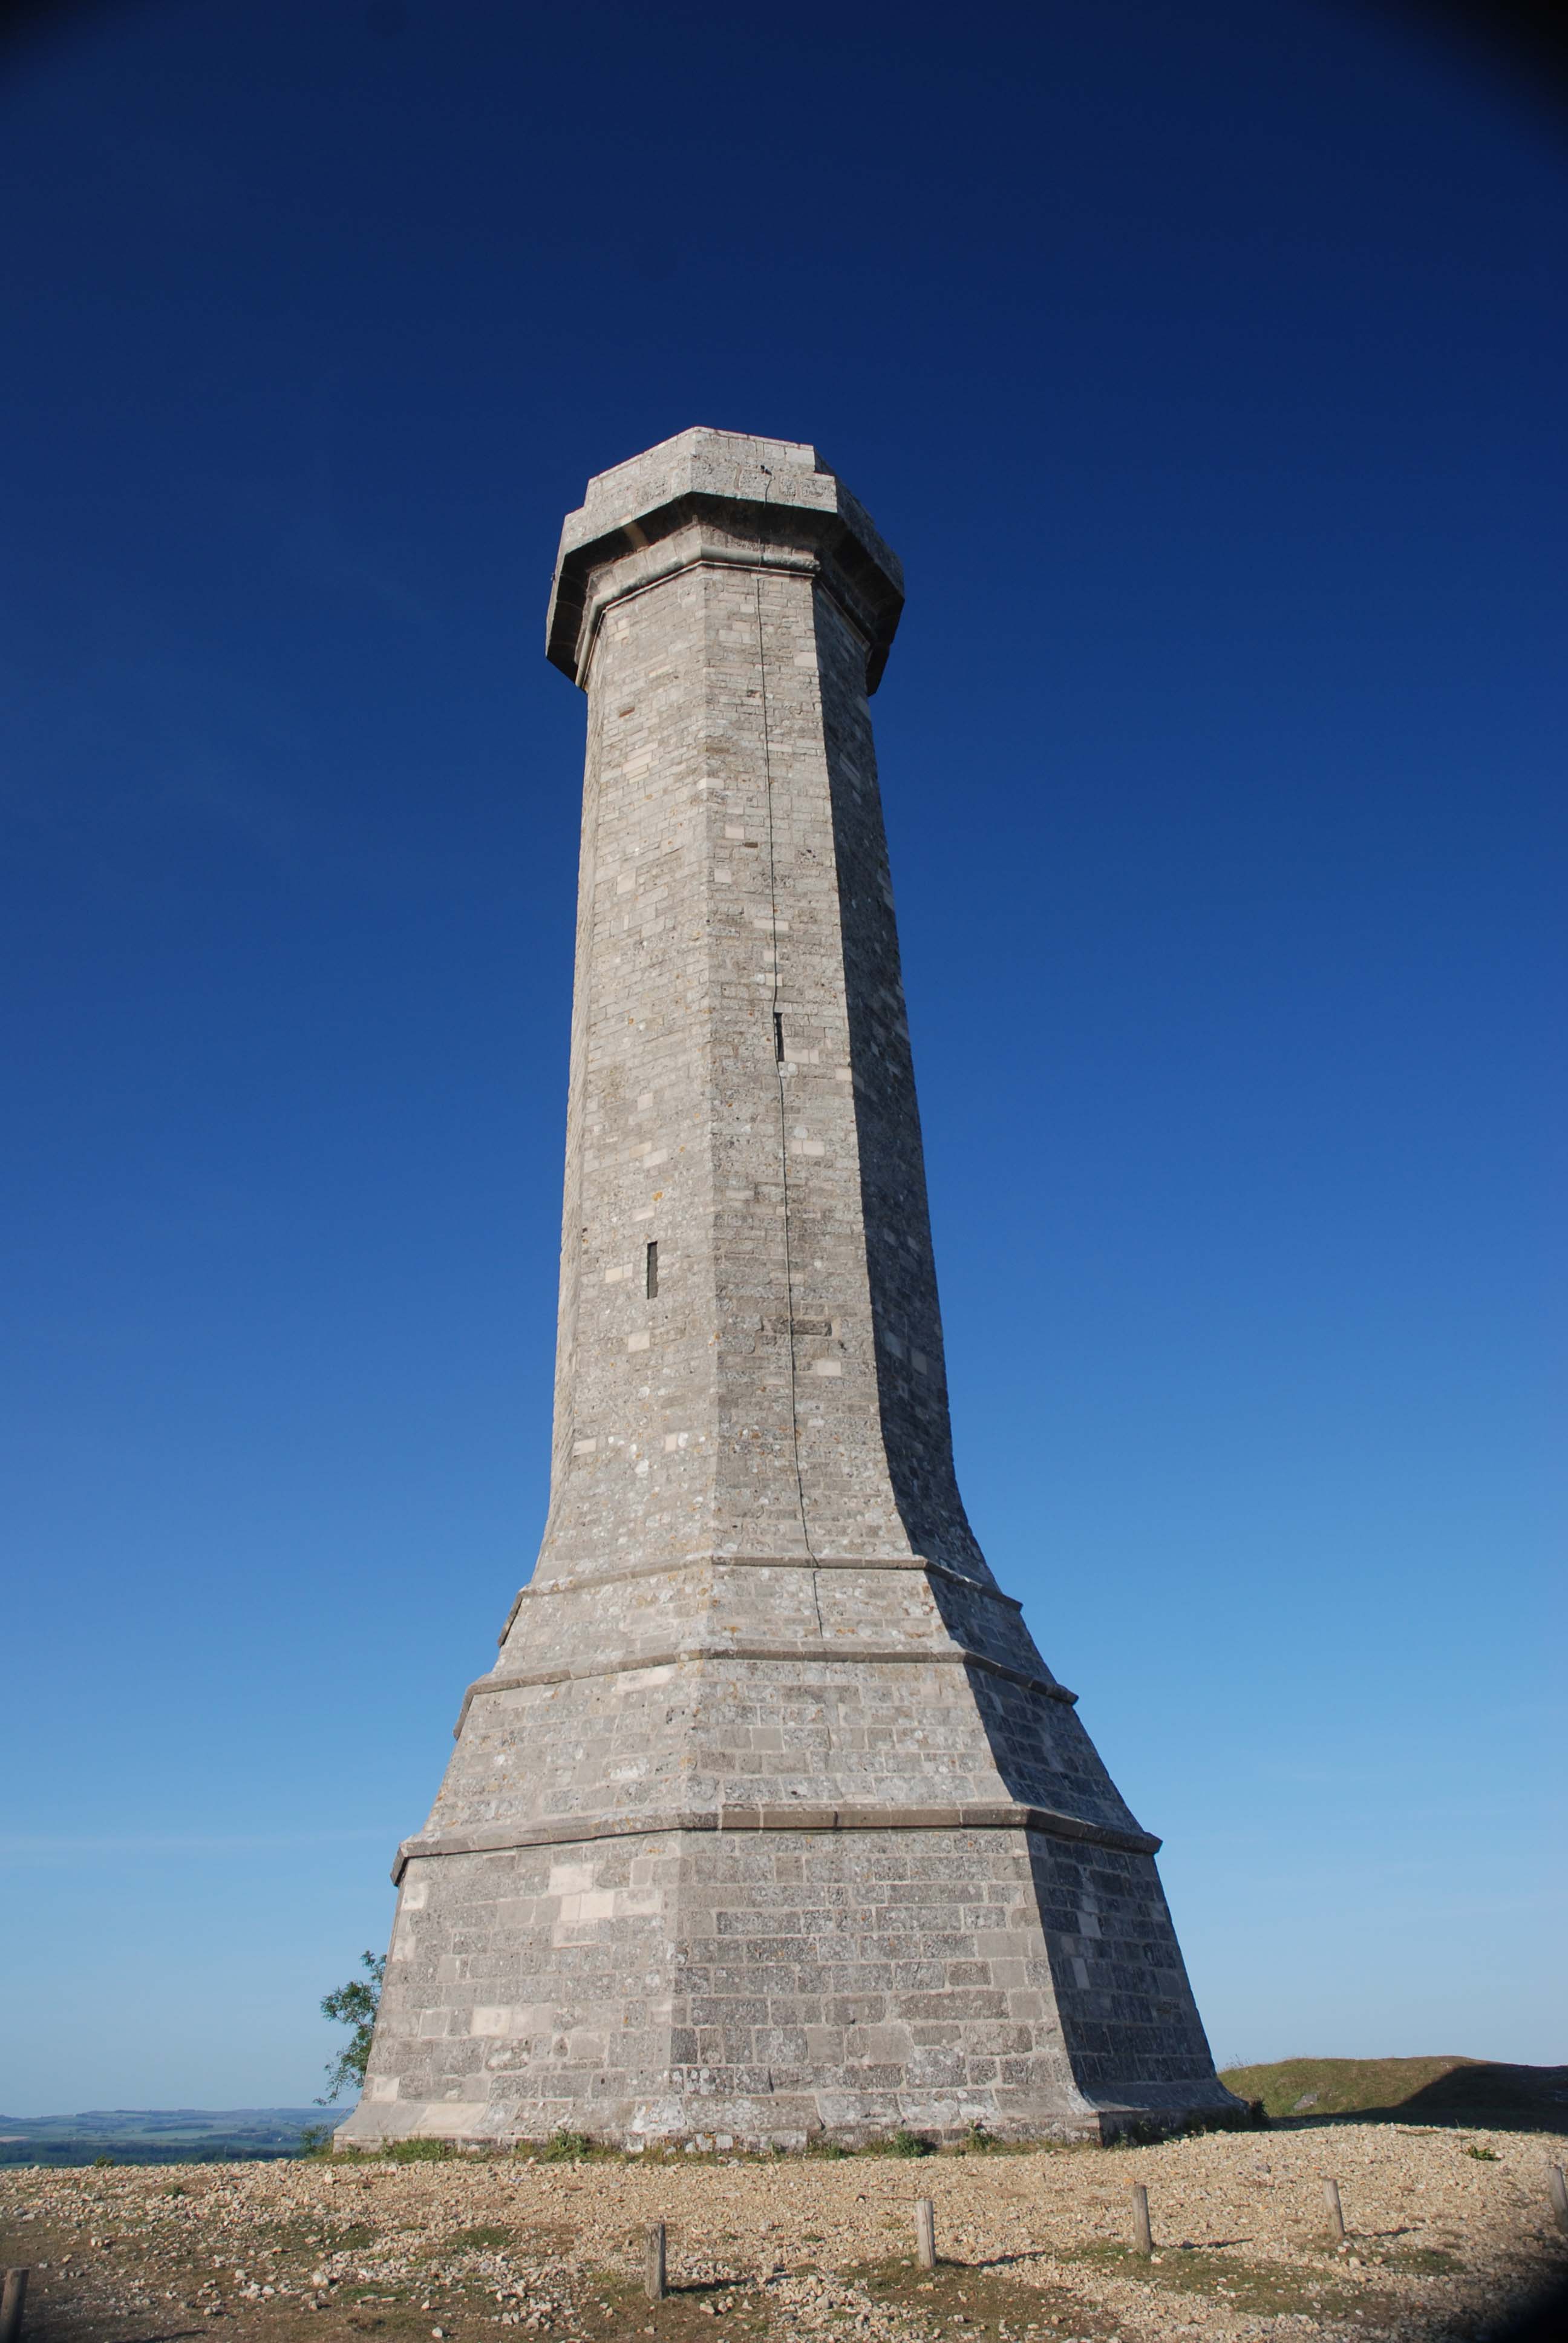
[(769, 1819)]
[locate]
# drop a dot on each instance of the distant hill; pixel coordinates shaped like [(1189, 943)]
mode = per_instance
[(1293, 2090), (159, 2135), (1408, 2090)]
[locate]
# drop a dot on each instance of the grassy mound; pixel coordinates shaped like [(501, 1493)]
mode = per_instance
[(1408, 2090)]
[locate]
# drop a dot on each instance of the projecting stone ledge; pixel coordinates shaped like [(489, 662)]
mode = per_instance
[(582, 1830), (802, 1651), (767, 502)]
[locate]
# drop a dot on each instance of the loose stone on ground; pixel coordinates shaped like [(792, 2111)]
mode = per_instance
[(1033, 2247)]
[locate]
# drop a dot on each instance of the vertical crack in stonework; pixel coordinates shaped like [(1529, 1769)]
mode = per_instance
[(771, 1820), (779, 1061)]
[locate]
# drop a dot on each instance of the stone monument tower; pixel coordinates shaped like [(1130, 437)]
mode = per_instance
[(769, 1820)]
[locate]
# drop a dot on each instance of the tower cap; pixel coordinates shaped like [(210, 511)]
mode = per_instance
[(652, 495)]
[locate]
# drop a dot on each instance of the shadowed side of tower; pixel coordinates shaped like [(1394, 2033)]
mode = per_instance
[(770, 1818)]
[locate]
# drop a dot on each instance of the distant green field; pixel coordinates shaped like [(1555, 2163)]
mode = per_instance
[(158, 2134), (1408, 2090)]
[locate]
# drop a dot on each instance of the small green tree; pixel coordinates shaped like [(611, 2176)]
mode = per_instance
[(356, 2004)]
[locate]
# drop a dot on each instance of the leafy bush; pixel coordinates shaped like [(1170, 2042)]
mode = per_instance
[(356, 2004), (567, 2148), (909, 2143), (418, 2151), (316, 2139)]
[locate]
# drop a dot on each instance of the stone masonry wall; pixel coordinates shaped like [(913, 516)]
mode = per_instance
[(775, 1986)]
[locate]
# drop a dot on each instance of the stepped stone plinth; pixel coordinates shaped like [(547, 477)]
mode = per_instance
[(769, 1820)]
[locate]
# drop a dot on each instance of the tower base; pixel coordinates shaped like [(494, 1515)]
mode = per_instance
[(771, 1987)]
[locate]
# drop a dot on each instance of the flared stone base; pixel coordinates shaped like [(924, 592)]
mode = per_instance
[(769, 1987)]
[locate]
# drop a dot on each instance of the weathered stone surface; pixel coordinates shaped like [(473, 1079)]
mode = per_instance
[(770, 1818)]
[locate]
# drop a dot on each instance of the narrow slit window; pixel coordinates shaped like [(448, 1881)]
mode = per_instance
[(778, 1037), (652, 1278)]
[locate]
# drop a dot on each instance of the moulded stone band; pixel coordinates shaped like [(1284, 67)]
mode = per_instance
[(942, 1570), (946, 1655), (577, 1830), (599, 604), (646, 507)]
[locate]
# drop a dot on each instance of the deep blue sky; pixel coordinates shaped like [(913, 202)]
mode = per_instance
[(1206, 367)]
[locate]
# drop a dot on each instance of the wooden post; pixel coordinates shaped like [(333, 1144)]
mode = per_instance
[(1556, 2186), (925, 2233), (11, 2297), (1335, 2212), (655, 2278), (1142, 2236)]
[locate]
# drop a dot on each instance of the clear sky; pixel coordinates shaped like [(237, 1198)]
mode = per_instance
[(1205, 364)]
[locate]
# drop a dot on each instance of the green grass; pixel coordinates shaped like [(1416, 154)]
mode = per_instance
[(1259, 2289), (610, 2305), (985, 2298), (1408, 2090)]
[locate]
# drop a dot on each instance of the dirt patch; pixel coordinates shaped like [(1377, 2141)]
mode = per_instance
[(986, 2300), (1033, 2247), (1231, 2282)]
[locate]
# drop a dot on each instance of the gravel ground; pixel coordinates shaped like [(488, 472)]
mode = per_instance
[(1448, 2232)]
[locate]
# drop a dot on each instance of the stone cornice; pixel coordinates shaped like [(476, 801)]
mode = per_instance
[(806, 1649), (714, 497), (578, 1830), (912, 1562)]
